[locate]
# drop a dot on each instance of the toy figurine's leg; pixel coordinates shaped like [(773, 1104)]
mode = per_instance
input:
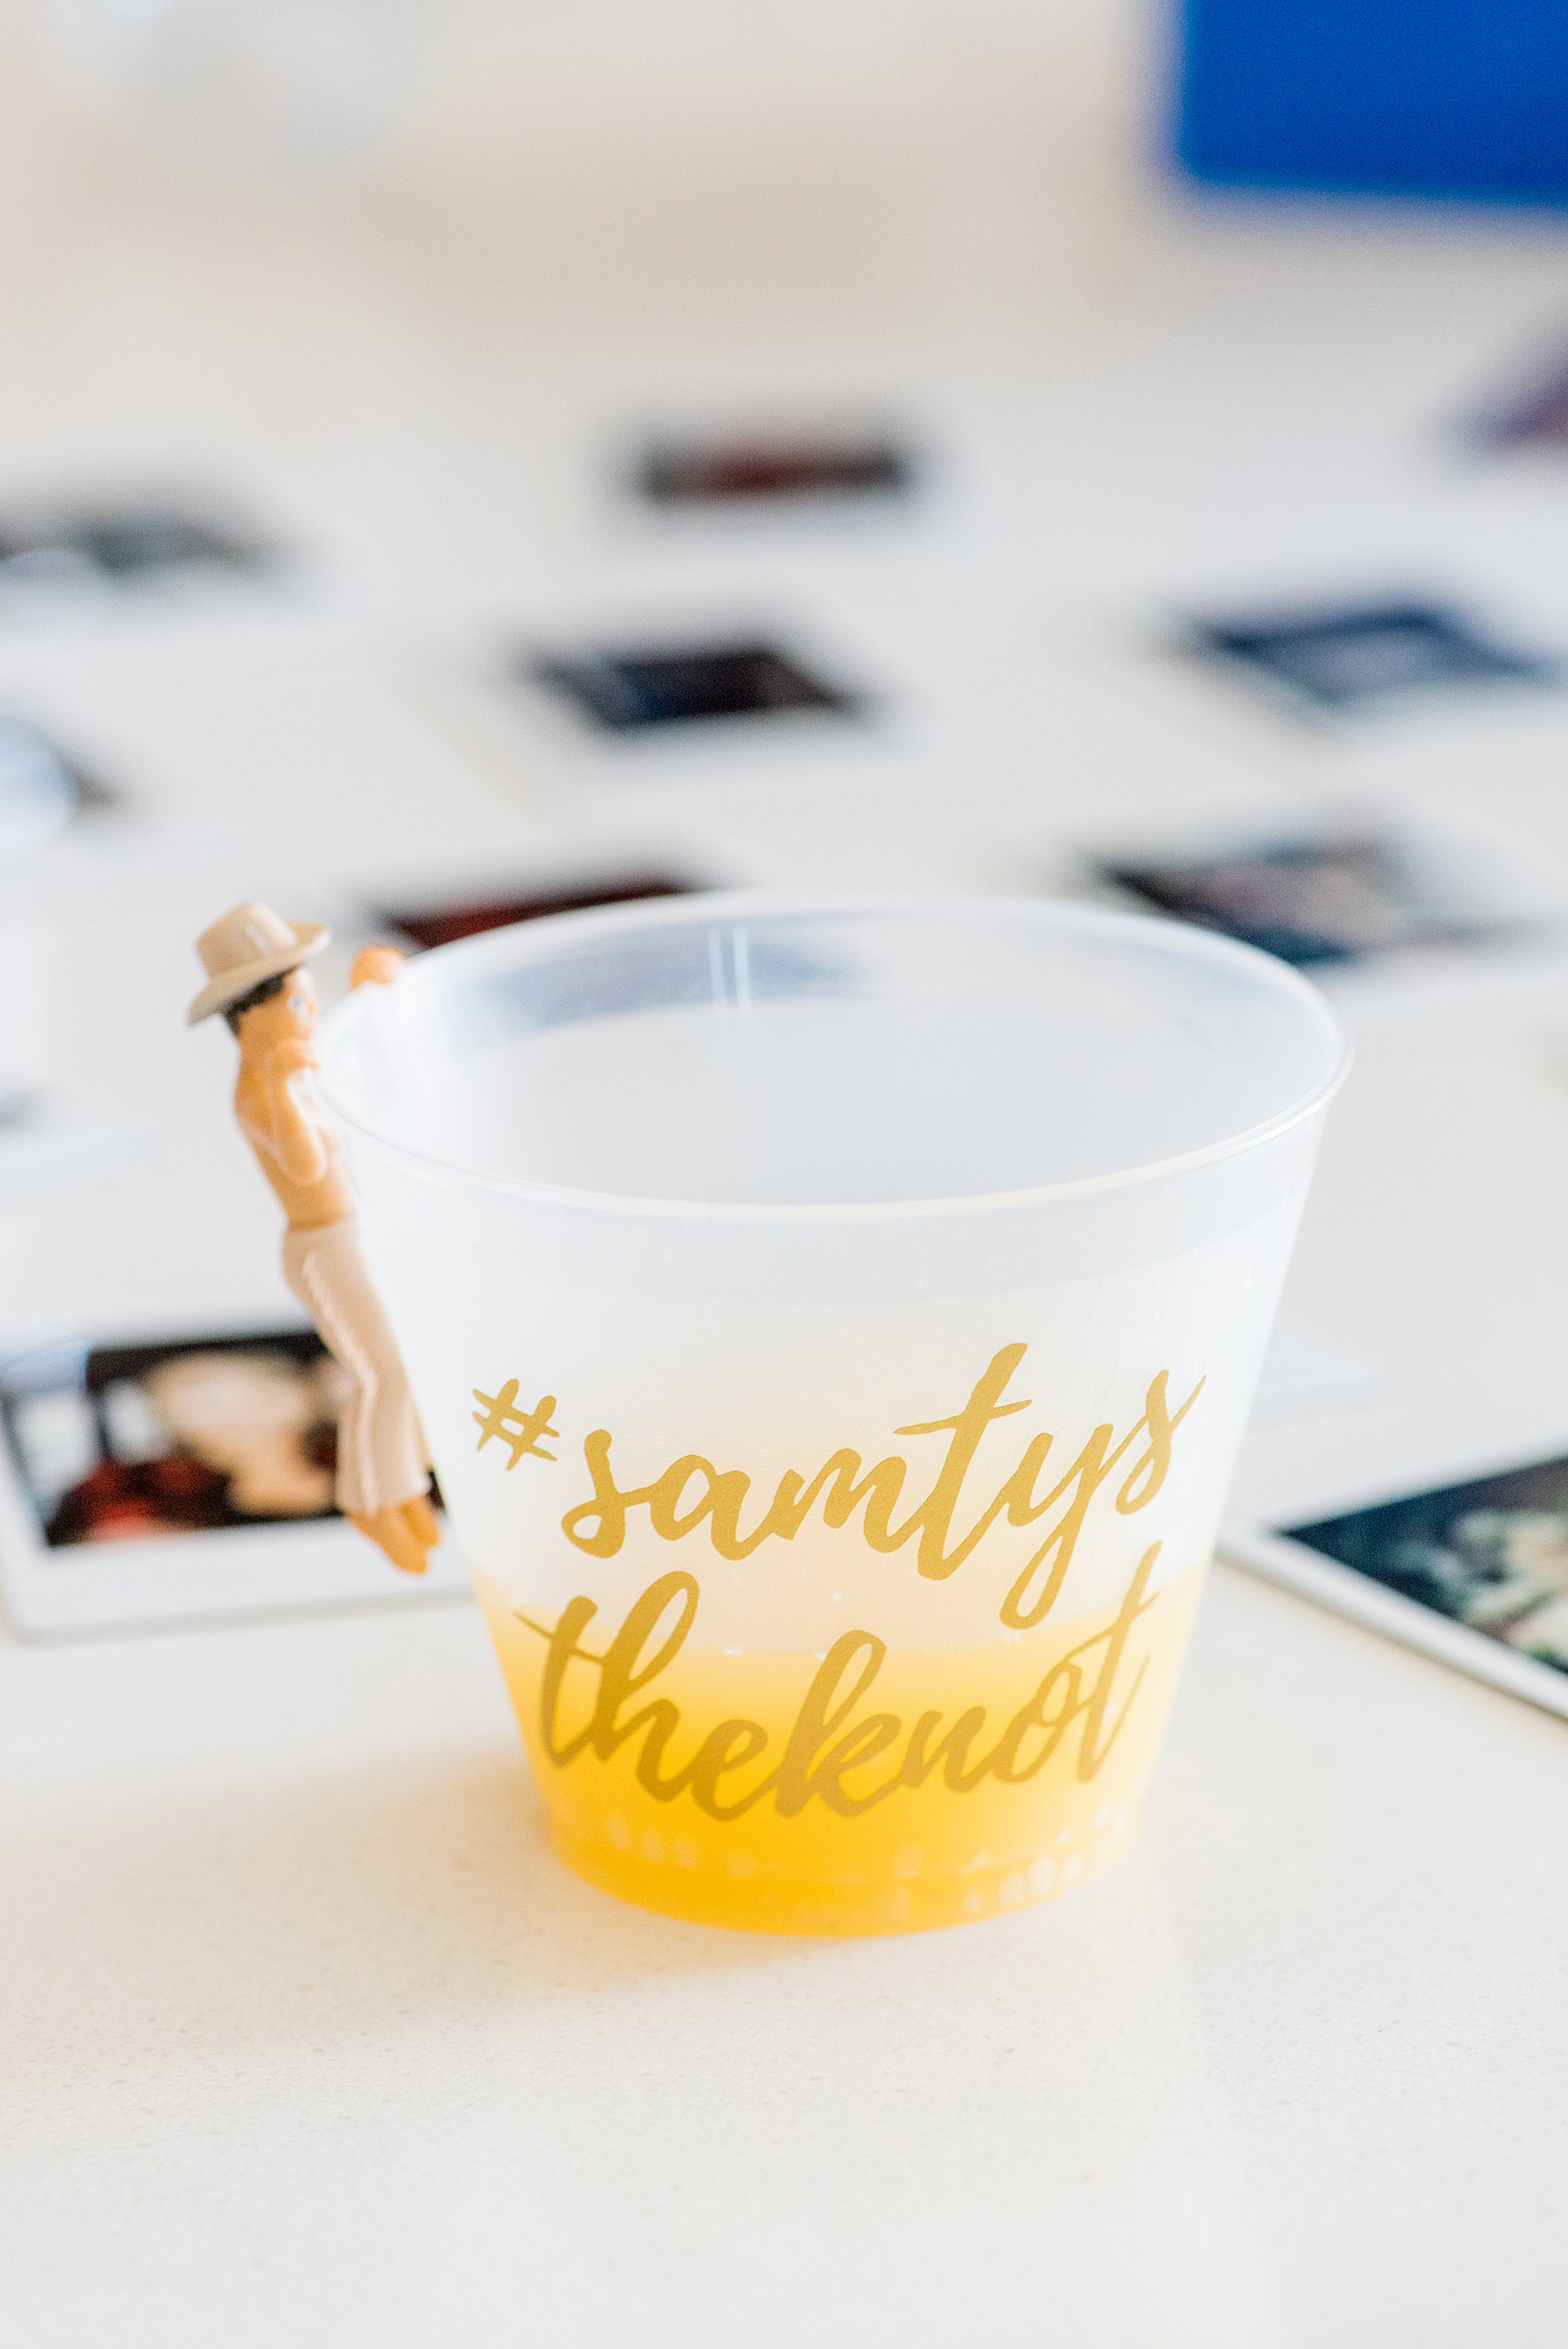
[(405, 1533), (390, 1531), (381, 1455), (421, 1522)]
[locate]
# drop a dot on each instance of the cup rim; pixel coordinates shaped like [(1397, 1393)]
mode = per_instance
[(702, 907)]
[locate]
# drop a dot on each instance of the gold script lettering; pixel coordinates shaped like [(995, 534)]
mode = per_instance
[(1083, 1479), (692, 1491), (824, 1744)]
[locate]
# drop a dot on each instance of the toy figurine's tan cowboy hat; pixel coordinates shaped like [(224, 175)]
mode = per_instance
[(246, 947)]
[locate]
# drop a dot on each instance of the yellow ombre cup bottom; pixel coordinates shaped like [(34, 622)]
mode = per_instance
[(957, 1839)]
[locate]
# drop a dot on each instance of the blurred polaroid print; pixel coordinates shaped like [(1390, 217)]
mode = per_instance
[(1532, 414), (129, 1441), (443, 921), (203, 1462), (1365, 659), (1474, 1572), (648, 690), (762, 470), (1492, 1553), (1345, 900), (115, 544)]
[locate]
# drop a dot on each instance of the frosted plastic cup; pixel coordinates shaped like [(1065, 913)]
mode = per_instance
[(834, 1323)]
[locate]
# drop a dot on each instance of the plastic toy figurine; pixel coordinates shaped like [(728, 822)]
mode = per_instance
[(254, 964)]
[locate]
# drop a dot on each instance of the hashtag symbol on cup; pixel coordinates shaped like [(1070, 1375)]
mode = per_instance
[(518, 1429)]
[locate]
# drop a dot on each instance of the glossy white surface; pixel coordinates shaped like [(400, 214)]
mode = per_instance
[(303, 2035)]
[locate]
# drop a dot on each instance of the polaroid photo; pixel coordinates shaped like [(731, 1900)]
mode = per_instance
[(661, 688), (1327, 900), (652, 714), (432, 922), (764, 471), (118, 544), (179, 1476), (1472, 1571), (1532, 414), (1365, 659)]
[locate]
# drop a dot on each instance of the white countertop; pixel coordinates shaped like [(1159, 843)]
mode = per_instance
[(305, 2036), (310, 2038)]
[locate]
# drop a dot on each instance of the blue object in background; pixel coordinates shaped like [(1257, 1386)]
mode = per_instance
[(1434, 98)]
